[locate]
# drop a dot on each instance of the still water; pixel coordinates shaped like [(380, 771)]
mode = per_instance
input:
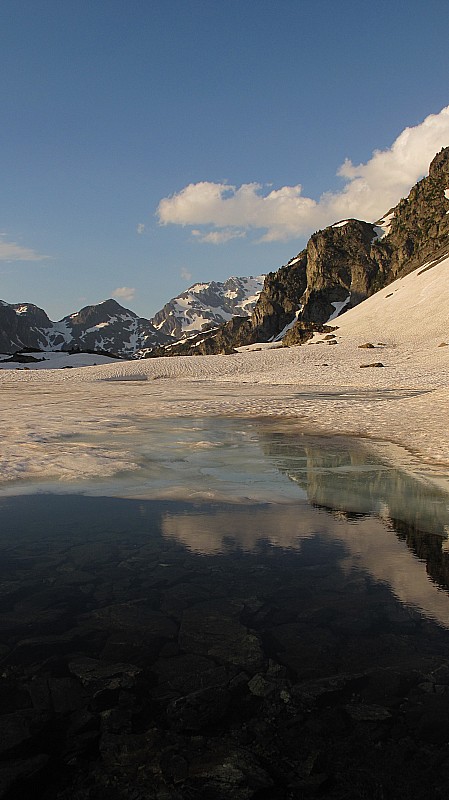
[(251, 613)]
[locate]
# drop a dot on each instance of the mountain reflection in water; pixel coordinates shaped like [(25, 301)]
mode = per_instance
[(245, 649), (399, 524)]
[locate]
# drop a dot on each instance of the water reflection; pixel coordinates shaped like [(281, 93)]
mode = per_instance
[(367, 544), (346, 475), (285, 488), (192, 649)]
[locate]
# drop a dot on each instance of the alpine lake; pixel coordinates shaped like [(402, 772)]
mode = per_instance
[(252, 613)]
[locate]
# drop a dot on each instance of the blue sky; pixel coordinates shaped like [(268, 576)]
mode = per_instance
[(148, 145)]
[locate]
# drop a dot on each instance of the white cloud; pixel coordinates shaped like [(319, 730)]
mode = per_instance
[(185, 274), (140, 228), (370, 189), (124, 292), (218, 237), (10, 251)]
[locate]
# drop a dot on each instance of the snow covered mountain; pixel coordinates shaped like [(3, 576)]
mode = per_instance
[(111, 328), (207, 305), (106, 327)]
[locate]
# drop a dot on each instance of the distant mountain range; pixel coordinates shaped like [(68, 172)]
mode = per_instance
[(340, 267), (109, 327)]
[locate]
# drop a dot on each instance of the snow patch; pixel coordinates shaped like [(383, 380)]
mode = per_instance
[(288, 327), (382, 227), (339, 306)]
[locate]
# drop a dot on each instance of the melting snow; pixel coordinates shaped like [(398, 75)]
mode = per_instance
[(324, 388)]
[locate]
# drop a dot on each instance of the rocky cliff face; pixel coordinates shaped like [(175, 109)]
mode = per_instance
[(419, 229), (343, 265), (20, 325), (351, 260)]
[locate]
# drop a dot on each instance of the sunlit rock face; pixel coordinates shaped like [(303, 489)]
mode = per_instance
[(344, 264)]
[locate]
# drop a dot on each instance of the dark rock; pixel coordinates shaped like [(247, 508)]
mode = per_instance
[(365, 713), (135, 617), (207, 630), (427, 718), (374, 364), (11, 772), (174, 767), (199, 709), (229, 773), (97, 675), (122, 751), (66, 695), (259, 686), (15, 729), (187, 673)]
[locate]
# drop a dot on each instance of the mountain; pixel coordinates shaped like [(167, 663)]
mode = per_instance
[(208, 305), (111, 328), (106, 327), (340, 267)]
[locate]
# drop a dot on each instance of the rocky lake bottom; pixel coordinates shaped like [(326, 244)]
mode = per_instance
[(278, 629)]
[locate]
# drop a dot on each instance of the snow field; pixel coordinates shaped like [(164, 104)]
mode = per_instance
[(47, 417)]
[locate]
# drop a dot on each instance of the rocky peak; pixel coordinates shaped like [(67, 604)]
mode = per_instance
[(96, 314), (439, 166), (29, 314), (208, 305), (345, 263), (420, 226), (19, 324), (340, 269)]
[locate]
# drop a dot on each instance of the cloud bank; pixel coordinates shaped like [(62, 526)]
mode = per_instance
[(10, 251), (220, 212)]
